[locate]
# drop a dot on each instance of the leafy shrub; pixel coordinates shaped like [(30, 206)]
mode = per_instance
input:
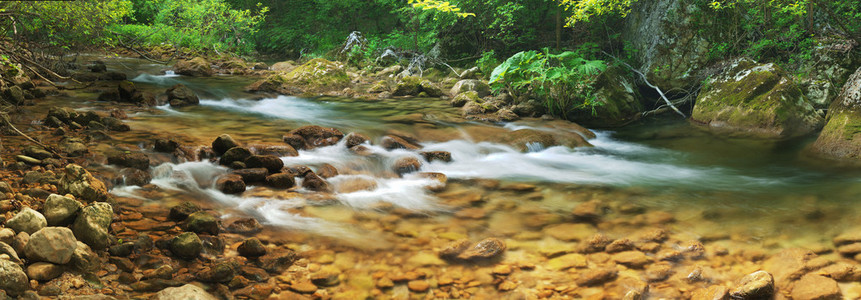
[(487, 63), (562, 82)]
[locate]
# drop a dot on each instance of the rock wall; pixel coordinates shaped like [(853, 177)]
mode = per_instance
[(841, 137), (669, 48)]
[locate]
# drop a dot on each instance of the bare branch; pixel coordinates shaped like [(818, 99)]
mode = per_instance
[(660, 92)]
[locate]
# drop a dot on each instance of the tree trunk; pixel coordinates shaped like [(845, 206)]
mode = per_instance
[(558, 26)]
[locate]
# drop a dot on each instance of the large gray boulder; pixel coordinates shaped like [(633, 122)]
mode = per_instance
[(27, 220), (60, 210), (755, 100), (51, 244), (471, 85), (92, 225)]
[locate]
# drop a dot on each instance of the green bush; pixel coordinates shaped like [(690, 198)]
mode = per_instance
[(562, 82)]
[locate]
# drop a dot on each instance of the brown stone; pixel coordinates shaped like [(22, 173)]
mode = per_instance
[(485, 249), (317, 136), (597, 276), (620, 245), (230, 184), (418, 286), (816, 287), (632, 259), (757, 285), (406, 164), (354, 139), (304, 287), (327, 171), (281, 180), (431, 156), (315, 183), (391, 142)]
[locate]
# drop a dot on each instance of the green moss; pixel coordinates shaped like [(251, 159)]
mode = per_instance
[(408, 86), (318, 74), (760, 99)]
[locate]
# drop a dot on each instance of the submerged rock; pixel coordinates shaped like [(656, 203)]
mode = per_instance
[(757, 285), (755, 100), (818, 287), (135, 160), (186, 245), (202, 222)]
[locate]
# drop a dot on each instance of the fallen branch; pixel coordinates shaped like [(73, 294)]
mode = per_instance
[(5, 117), (660, 92)]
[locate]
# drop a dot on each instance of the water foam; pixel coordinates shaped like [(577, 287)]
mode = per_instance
[(286, 108)]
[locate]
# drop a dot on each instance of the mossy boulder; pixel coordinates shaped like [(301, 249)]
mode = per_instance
[(620, 102), (93, 225), (316, 76), (83, 185), (841, 137), (756, 101), (463, 98), (408, 86), (198, 67), (474, 85)]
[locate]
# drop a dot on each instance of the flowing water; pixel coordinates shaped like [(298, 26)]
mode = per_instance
[(764, 194)]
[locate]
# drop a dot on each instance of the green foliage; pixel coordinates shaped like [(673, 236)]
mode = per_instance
[(440, 6), (63, 24), (562, 82), (584, 10), (487, 63), (196, 24)]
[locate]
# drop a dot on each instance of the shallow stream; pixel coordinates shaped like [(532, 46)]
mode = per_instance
[(736, 193)]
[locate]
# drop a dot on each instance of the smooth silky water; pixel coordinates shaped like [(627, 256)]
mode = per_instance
[(757, 193)]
